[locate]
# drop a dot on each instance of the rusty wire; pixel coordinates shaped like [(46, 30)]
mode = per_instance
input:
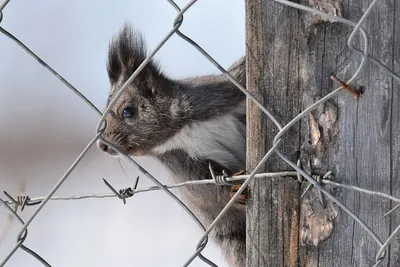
[(41, 201)]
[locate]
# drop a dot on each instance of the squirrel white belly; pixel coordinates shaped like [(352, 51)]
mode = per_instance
[(186, 124)]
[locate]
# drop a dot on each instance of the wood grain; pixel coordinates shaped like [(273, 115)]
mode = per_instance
[(290, 56)]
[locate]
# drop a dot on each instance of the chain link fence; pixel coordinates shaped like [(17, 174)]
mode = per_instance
[(13, 203)]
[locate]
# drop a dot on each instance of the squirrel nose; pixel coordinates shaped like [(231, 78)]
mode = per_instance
[(103, 147)]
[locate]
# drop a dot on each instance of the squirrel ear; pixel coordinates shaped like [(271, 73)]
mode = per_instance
[(126, 52)]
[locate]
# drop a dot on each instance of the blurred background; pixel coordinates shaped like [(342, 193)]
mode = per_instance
[(44, 127)]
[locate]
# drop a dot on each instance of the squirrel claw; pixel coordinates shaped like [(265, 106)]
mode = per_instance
[(242, 199), (239, 173)]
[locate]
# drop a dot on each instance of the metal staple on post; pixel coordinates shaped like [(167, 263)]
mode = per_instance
[(129, 192)]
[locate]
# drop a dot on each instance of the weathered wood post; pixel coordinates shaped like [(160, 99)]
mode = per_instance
[(290, 56)]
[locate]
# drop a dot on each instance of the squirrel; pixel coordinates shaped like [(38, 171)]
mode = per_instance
[(186, 124)]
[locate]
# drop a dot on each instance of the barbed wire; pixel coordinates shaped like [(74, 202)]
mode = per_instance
[(218, 180), (23, 201)]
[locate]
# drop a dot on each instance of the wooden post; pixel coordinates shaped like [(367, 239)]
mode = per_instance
[(290, 56)]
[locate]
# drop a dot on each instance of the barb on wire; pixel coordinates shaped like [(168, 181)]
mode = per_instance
[(318, 179), (130, 191), (123, 194), (22, 201), (219, 179)]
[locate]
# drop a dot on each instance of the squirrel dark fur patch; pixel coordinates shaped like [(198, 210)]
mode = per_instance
[(185, 124)]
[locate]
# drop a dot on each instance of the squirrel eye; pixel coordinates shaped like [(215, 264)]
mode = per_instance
[(127, 112)]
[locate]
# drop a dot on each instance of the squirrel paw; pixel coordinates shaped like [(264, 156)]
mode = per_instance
[(242, 199), (239, 173)]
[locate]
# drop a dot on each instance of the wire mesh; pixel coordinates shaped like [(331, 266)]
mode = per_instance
[(218, 180)]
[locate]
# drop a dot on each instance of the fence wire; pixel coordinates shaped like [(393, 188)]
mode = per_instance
[(23, 201)]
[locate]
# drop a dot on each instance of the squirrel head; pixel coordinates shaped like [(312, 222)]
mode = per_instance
[(143, 116)]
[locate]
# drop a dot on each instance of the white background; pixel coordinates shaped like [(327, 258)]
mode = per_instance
[(44, 127)]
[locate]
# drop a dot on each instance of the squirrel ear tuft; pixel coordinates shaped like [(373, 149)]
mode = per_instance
[(126, 52)]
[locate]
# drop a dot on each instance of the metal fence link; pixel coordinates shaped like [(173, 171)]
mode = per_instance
[(23, 201)]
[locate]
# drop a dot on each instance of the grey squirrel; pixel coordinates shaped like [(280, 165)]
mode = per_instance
[(185, 124)]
